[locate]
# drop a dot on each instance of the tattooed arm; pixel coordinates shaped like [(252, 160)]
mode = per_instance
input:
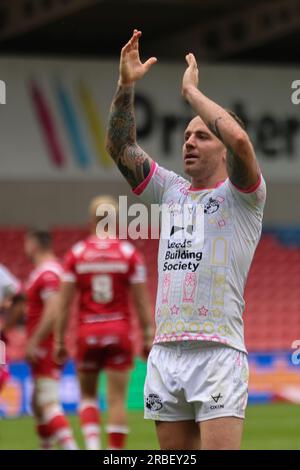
[(121, 143), (242, 166), (130, 158)]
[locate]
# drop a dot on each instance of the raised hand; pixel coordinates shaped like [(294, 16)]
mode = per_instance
[(131, 67), (191, 74)]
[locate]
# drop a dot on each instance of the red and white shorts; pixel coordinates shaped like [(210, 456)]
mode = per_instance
[(106, 345)]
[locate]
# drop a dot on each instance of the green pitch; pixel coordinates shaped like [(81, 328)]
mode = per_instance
[(274, 426)]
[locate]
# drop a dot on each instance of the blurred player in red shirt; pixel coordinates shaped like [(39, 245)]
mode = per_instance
[(106, 271), (42, 294)]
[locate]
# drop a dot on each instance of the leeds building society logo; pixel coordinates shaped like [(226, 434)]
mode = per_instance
[(216, 398), (189, 229), (153, 402)]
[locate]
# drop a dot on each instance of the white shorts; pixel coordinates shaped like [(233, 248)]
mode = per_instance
[(188, 381)]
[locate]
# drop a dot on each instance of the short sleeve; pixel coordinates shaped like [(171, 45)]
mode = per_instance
[(157, 183), (49, 283), (253, 198), (69, 273)]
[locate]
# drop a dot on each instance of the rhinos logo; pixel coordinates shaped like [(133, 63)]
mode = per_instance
[(153, 402), (211, 206)]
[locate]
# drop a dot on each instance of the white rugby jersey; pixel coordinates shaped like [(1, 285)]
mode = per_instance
[(9, 284), (201, 280)]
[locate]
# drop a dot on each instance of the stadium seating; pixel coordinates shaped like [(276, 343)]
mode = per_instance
[(272, 315)]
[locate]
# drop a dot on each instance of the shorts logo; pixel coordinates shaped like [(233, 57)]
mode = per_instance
[(91, 340), (153, 402), (216, 398), (119, 359)]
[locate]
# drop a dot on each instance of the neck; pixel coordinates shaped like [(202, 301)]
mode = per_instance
[(43, 257), (103, 234), (209, 182)]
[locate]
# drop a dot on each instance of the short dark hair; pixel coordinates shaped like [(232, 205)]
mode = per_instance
[(236, 118), (42, 237), (231, 113)]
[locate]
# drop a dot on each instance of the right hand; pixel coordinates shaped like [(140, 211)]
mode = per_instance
[(32, 352), (60, 353), (131, 67)]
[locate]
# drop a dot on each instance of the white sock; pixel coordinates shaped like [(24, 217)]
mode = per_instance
[(61, 430), (91, 433)]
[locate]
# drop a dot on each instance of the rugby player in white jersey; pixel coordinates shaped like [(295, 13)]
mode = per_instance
[(197, 376), (11, 309)]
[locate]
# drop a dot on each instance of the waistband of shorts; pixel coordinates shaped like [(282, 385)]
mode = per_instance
[(184, 345), (88, 318), (195, 345)]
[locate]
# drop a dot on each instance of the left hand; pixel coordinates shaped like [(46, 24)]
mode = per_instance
[(147, 342), (191, 75), (146, 348), (32, 352), (60, 353)]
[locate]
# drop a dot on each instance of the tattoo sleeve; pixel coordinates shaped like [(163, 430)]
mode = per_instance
[(121, 144), (214, 128), (237, 169)]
